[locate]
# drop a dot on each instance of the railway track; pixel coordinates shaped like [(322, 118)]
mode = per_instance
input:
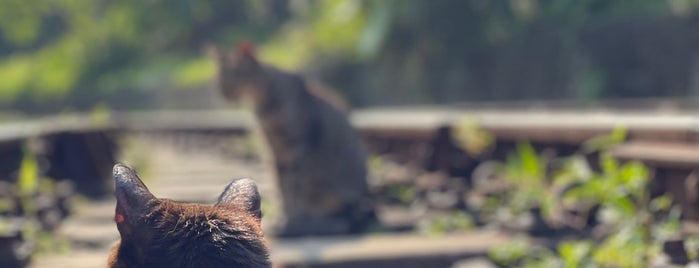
[(666, 141), (200, 175)]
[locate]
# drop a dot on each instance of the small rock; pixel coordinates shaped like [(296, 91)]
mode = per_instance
[(399, 218), (432, 180), (395, 173), (442, 200)]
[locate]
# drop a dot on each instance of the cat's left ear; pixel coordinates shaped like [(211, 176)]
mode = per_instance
[(214, 53), (242, 193), (133, 200)]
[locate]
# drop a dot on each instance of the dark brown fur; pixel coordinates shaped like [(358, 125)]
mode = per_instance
[(163, 233)]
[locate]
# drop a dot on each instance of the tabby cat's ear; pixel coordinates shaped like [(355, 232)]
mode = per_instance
[(245, 49), (242, 193), (245, 55), (214, 53), (132, 198)]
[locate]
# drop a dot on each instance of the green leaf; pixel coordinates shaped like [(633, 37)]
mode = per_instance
[(471, 138), (28, 175), (508, 255), (575, 169), (624, 206), (575, 253), (634, 176), (625, 248), (531, 165), (660, 203), (609, 165), (603, 143)]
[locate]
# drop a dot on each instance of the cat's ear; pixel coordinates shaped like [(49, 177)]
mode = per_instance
[(132, 198), (242, 193), (245, 49), (244, 54), (214, 53)]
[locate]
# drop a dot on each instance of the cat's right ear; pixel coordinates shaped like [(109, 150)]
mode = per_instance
[(242, 193), (244, 54), (132, 198), (245, 49)]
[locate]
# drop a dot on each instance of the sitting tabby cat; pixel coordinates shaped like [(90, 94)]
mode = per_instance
[(320, 162), (163, 233)]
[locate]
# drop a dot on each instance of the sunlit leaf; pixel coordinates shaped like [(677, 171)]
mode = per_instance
[(575, 253), (531, 166), (625, 248), (634, 175), (661, 203), (507, 255), (609, 165), (605, 142), (624, 206), (28, 175), (469, 137)]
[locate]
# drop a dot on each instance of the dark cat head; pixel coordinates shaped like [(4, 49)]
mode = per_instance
[(163, 233), (239, 71)]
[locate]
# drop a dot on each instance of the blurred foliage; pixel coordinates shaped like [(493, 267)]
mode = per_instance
[(692, 245), (525, 171), (24, 207), (403, 194), (509, 254), (63, 50), (619, 223), (31, 184), (472, 139), (55, 54), (618, 136), (28, 183), (446, 223)]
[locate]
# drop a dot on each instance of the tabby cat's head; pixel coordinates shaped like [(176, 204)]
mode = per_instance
[(239, 71)]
